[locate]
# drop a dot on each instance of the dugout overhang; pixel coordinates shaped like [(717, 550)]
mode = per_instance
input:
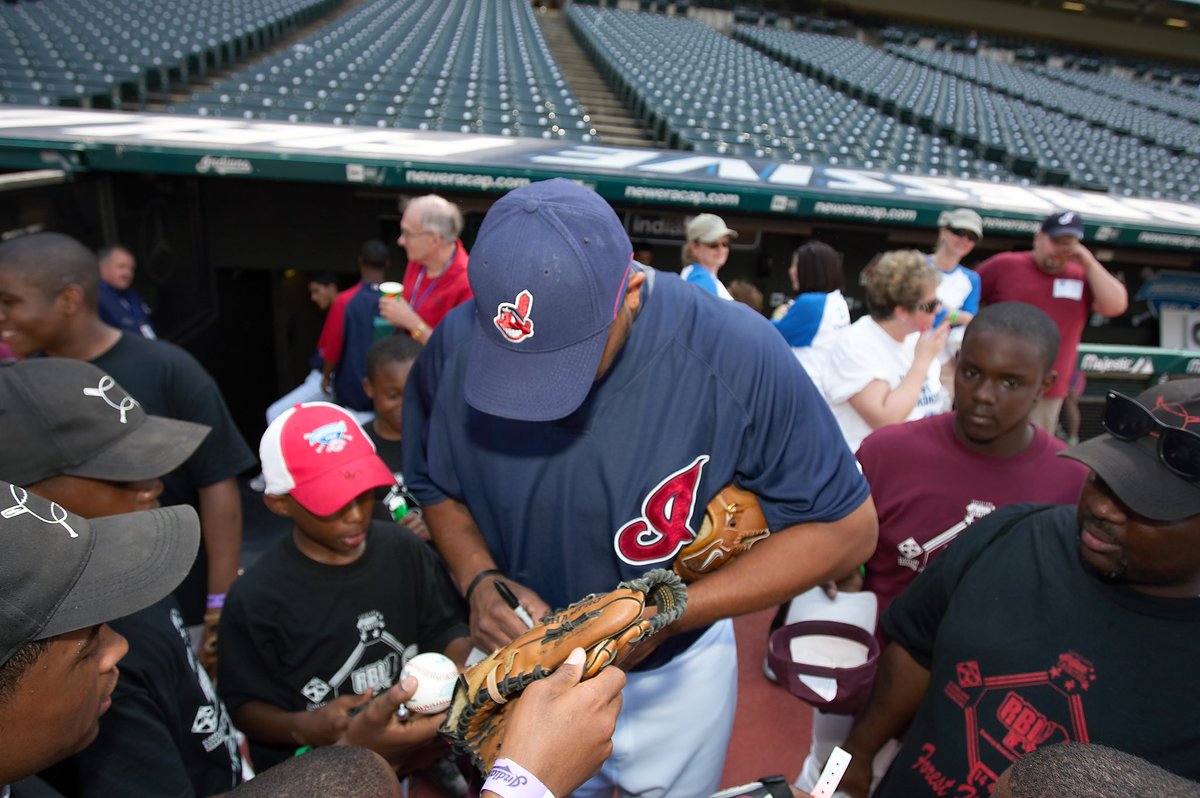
[(81, 141)]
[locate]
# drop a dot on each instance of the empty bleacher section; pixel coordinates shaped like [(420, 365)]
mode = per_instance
[(102, 53), (470, 66), (696, 89), (1170, 130), (1046, 129)]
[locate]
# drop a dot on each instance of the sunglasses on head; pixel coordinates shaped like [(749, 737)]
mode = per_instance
[(965, 234), (1178, 449), (929, 307)]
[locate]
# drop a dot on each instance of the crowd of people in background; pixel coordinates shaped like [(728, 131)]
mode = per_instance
[(548, 413)]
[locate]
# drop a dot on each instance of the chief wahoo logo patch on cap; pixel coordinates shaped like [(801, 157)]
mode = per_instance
[(512, 320)]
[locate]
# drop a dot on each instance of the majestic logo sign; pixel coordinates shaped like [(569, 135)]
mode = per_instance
[(512, 320), (662, 529)]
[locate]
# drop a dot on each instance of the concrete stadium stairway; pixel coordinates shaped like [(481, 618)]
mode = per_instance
[(608, 115)]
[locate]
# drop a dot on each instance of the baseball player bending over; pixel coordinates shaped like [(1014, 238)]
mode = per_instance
[(564, 432)]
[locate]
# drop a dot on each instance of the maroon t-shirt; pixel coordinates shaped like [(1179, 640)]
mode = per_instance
[(929, 487), (1065, 297)]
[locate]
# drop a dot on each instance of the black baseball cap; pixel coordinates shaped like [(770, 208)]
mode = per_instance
[(63, 416), (1133, 470), (60, 572)]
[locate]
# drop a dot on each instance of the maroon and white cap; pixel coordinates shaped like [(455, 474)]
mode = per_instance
[(318, 453)]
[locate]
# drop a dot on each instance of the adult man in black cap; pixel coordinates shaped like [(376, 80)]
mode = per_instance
[(1063, 278), (1049, 624)]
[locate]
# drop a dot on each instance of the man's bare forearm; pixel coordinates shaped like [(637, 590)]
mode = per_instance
[(899, 687), (221, 530), (457, 537)]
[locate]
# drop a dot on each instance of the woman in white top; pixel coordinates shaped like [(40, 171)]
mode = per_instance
[(883, 369)]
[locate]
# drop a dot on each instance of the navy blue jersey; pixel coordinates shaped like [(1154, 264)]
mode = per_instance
[(703, 393), (358, 333)]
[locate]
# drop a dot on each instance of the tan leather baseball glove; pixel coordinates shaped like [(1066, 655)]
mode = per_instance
[(607, 626), (733, 522)]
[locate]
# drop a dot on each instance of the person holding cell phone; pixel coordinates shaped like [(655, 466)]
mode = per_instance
[(883, 368)]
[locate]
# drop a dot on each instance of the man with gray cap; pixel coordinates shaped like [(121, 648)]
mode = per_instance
[(62, 578), (1050, 624), (705, 252), (544, 434), (1062, 277)]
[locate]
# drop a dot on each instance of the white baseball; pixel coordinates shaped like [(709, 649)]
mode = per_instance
[(435, 674)]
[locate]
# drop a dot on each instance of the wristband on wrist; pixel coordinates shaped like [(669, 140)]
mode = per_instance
[(479, 577), (215, 601), (953, 317), (509, 780)]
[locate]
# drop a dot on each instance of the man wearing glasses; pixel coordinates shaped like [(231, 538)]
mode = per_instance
[(1050, 624), (435, 280), (1062, 277)]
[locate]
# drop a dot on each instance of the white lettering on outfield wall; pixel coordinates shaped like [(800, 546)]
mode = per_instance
[(159, 129)]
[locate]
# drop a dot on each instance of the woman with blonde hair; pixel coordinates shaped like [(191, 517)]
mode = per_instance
[(883, 369)]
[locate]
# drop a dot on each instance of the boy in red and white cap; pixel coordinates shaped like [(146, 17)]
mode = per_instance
[(327, 617)]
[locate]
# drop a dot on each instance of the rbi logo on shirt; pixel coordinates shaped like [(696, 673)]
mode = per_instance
[(662, 529)]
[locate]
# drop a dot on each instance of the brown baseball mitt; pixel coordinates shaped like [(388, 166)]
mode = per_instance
[(607, 626), (733, 522)]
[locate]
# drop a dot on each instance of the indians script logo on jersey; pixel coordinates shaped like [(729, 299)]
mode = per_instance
[(662, 529), (513, 321), (331, 437)]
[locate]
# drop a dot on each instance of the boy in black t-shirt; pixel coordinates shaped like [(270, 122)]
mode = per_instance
[(327, 618), (388, 362)]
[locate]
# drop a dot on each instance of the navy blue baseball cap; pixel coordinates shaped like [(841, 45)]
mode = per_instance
[(548, 270), (1063, 223)]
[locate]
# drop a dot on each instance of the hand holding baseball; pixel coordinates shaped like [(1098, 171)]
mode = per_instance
[(406, 745), (435, 674)]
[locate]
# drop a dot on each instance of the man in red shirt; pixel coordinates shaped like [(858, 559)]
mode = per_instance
[(1063, 278), (435, 281)]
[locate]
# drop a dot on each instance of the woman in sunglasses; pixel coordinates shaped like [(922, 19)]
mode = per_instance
[(883, 369), (959, 231), (705, 252)]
